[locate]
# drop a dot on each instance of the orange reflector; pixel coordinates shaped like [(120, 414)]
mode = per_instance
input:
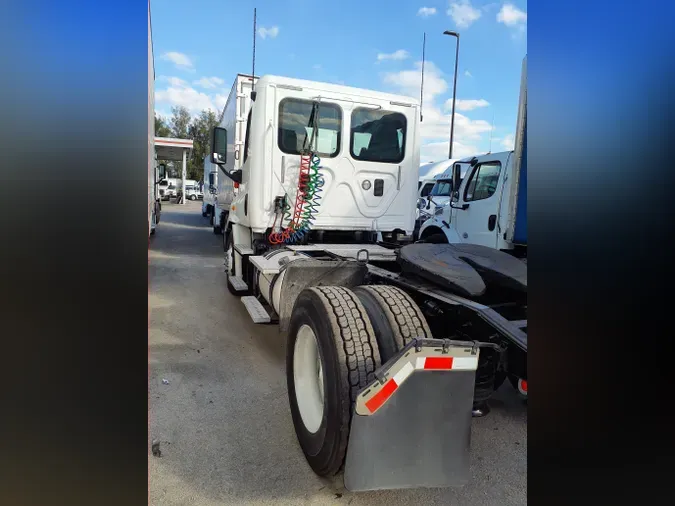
[(438, 363), (234, 208), (380, 397), (236, 185)]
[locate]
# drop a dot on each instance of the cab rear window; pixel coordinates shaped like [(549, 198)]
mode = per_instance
[(377, 135), (297, 121)]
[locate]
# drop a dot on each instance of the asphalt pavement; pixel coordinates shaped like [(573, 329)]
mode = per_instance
[(219, 408)]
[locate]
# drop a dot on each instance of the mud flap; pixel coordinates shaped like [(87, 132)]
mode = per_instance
[(412, 426)]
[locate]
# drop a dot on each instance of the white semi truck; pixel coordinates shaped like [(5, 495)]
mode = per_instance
[(233, 119), (489, 207), (392, 346)]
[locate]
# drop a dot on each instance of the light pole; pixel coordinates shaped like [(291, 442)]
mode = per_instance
[(454, 91)]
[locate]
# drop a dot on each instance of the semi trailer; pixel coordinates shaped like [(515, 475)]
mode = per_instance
[(232, 119), (392, 346)]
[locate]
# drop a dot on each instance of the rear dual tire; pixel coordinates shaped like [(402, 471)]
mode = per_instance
[(330, 342), (395, 317)]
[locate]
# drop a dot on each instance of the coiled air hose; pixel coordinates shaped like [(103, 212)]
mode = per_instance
[(307, 202)]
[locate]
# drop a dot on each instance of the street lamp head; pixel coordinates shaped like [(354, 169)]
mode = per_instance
[(449, 32)]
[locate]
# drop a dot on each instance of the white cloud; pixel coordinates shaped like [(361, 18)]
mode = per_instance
[(435, 129), (268, 32), (408, 82), (209, 82), (180, 93), (468, 74), (426, 11), (466, 105), (180, 60), (219, 101), (401, 54), (507, 142), (463, 13), (511, 16), (173, 81)]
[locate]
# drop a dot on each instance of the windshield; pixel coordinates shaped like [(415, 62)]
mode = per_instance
[(442, 188)]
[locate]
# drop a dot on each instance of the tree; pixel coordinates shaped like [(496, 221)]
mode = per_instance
[(180, 122), (161, 128), (200, 133), (184, 126)]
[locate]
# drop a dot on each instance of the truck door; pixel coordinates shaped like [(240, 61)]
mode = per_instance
[(477, 223)]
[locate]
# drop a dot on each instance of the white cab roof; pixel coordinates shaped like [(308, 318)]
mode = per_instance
[(335, 88)]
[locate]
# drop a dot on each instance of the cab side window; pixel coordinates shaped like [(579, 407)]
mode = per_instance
[(483, 182), (427, 189), (248, 130)]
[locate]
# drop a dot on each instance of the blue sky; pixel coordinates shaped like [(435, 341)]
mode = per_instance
[(201, 45)]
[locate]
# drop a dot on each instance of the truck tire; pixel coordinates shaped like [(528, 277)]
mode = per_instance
[(395, 317), (331, 355), (215, 222)]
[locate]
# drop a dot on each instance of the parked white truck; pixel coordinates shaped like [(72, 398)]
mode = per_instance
[(490, 205), (326, 170), (210, 179), (233, 119)]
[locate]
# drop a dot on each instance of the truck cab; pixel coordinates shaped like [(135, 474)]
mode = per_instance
[(368, 148), (478, 212)]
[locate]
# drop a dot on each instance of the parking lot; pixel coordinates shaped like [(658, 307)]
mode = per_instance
[(222, 415)]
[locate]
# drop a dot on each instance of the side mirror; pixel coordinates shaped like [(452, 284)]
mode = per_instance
[(162, 171), (456, 178), (219, 145)]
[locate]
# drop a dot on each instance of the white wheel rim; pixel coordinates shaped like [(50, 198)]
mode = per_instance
[(308, 379)]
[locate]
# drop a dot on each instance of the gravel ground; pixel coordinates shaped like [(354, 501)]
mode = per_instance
[(223, 419)]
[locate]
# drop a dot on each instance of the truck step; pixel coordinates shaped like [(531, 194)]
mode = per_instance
[(242, 249), (237, 283), (255, 309)]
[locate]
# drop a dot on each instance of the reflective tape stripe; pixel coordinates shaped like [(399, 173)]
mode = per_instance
[(443, 363), (447, 363), (465, 363), (405, 371), (380, 397), (439, 363)]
